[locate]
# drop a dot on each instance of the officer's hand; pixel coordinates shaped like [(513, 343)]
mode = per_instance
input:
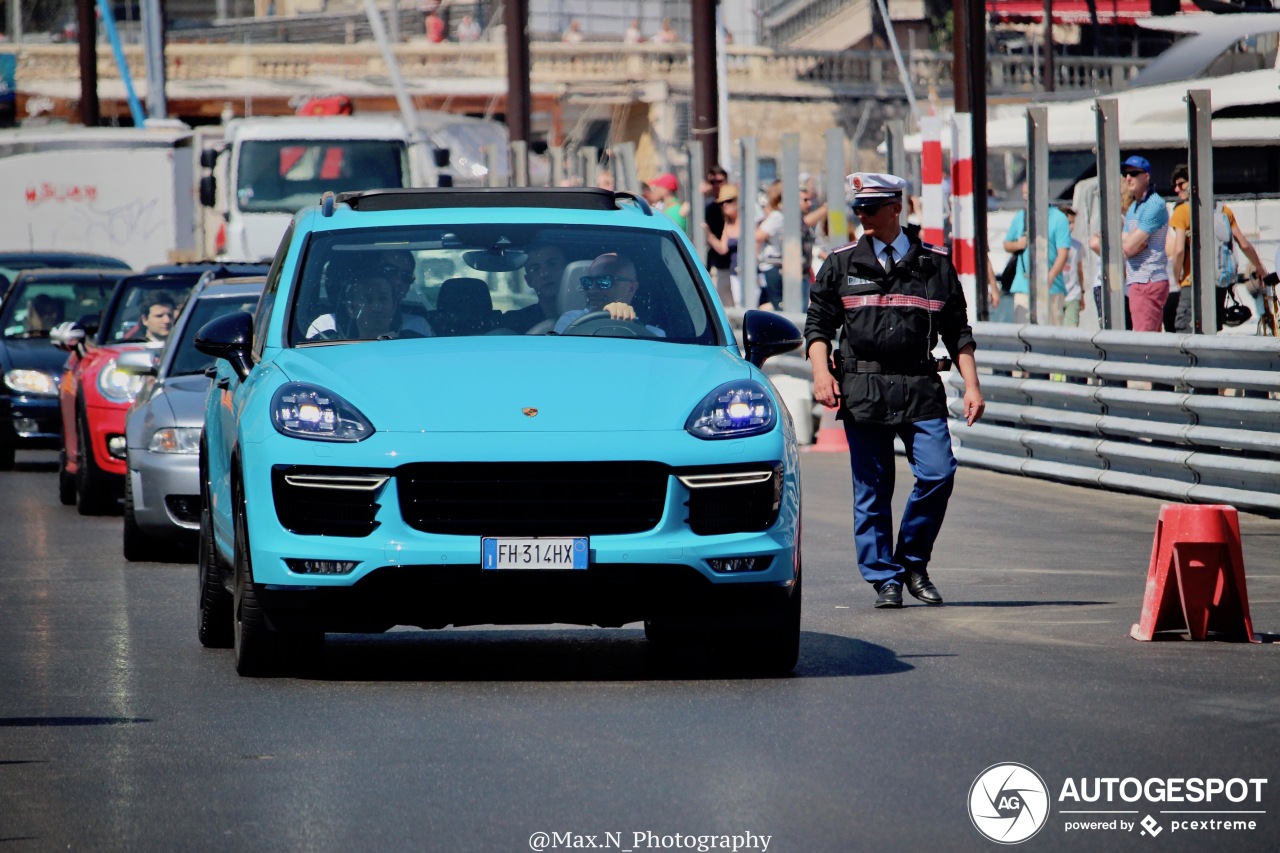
[(620, 311), (826, 390), (974, 406)]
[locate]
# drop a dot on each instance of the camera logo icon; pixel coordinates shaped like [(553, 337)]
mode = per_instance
[(1008, 803)]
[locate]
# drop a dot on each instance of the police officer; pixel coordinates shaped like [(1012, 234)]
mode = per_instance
[(892, 297)]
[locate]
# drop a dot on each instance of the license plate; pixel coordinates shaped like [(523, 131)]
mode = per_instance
[(511, 553)]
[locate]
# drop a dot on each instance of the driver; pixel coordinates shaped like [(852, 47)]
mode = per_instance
[(610, 284), (43, 313), (155, 320)]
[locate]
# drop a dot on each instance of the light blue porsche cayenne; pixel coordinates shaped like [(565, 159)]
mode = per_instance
[(495, 406)]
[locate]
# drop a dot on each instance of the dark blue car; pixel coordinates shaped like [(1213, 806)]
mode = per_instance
[(32, 368)]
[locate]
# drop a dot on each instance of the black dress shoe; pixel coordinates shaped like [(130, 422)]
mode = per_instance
[(919, 585), (890, 595)]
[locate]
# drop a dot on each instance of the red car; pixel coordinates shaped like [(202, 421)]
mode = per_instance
[(95, 393)]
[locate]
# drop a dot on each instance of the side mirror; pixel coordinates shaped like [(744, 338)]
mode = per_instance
[(442, 157), (209, 158), (229, 337), (766, 334), (138, 362), (209, 191), (67, 336)]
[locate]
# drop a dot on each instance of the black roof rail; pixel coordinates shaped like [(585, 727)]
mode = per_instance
[(428, 198)]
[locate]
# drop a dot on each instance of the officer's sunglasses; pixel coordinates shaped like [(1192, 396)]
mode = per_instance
[(599, 282), (870, 209)]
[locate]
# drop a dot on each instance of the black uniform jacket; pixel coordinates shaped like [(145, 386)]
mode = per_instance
[(891, 323)]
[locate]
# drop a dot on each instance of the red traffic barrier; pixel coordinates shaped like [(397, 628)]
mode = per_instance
[(1196, 579), (830, 437)]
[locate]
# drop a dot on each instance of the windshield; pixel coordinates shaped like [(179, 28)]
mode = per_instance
[(282, 176), (37, 306), (498, 279), (147, 308), (188, 359)]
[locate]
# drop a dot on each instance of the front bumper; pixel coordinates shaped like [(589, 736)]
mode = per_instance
[(436, 577), (106, 429), (166, 492), (608, 594), (33, 422)]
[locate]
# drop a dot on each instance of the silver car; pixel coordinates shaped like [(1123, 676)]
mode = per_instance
[(163, 427)]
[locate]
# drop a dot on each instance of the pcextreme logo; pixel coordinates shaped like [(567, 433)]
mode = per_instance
[(1008, 803)]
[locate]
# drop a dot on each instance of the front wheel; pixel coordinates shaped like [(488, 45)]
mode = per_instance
[(94, 495), (138, 546), (772, 648), (7, 454), (261, 649), (66, 481), (215, 605)]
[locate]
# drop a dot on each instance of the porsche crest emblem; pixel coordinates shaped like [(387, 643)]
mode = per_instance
[(530, 412)]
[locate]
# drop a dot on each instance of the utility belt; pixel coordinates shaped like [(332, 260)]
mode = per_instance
[(921, 368)]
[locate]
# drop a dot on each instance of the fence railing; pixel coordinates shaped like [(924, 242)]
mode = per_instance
[(1194, 418), (750, 69), (1189, 417)]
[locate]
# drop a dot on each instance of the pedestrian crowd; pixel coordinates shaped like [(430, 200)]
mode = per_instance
[(1156, 251)]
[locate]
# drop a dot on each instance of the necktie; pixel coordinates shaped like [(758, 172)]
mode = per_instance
[(888, 259)]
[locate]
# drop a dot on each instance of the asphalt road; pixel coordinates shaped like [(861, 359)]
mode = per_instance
[(119, 732)]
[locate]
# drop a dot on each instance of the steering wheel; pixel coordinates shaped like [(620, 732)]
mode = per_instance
[(602, 324)]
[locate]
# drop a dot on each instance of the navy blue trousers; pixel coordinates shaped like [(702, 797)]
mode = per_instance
[(871, 459)]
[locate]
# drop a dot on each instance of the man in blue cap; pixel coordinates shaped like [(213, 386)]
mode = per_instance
[(892, 297), (1146, 223)]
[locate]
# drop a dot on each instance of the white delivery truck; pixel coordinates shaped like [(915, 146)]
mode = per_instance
[(266, 169), (125, 192)]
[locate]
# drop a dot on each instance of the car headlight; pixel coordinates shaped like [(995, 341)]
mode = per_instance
[(117, 385), (175, 440), (734, 410), (301, 410), (32, 382)]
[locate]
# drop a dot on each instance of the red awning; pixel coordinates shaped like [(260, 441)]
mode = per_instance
[(1076, 11)]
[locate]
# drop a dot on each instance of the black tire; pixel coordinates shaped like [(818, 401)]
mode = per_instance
[(138, 546), (66, 481), (773, 648), (260, 649), (94, 492), (215, 606), (7, 453)]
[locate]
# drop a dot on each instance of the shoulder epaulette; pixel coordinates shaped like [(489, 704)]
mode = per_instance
[(937, 250), (845, 248)]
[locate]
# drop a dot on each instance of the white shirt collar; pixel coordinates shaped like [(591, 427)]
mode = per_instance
[(900, 246)]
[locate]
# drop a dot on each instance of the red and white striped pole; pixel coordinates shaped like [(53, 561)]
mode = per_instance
[(963, 227), (931, 179)]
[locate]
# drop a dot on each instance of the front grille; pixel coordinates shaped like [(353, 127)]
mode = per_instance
[(326, 501), (532, 498), (735, 508)]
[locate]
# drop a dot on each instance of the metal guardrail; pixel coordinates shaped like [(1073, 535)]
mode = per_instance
[(1194, 418), (1188, 417)]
